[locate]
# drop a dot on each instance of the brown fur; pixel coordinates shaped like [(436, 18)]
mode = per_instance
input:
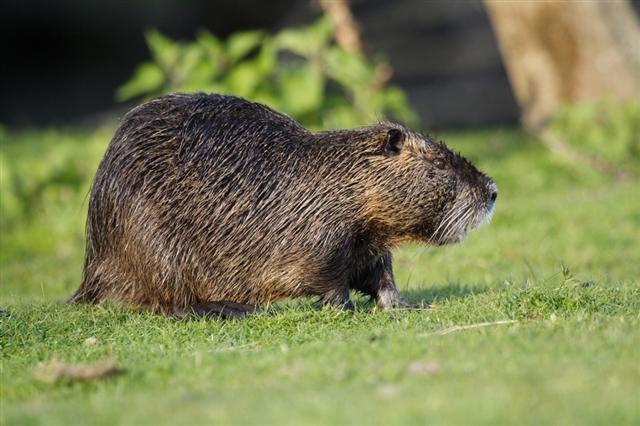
[(202, 199)]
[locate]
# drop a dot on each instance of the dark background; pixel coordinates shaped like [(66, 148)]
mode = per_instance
[(63, 59)]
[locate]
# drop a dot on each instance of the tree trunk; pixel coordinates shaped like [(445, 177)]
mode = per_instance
[(559, 52)]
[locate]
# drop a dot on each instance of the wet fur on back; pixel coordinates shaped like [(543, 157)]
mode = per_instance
[(203, 198)]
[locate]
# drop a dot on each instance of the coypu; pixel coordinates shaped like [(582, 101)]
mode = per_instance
[(215, 205)]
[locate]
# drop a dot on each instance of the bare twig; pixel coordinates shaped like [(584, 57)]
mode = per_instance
[(344, 24), (467, 327), (563, 149)]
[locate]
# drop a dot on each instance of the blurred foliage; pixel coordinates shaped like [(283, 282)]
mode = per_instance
[(605, 130), (45, 178), (301, 72)]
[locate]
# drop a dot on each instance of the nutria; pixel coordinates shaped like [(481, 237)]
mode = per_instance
[(215, 205)]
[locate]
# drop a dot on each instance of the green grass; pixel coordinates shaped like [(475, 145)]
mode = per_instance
[(561, 257)]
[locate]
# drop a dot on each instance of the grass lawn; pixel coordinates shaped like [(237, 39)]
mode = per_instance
[(561, 259)]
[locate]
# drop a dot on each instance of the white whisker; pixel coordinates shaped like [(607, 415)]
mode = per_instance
[(451, 218), (450, 225), (460, 223)]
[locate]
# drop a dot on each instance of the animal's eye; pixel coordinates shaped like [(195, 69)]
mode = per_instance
[(439, 163)]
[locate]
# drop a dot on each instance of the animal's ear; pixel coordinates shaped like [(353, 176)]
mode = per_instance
[(394, 139)]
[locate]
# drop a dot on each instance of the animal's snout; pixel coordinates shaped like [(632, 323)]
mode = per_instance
[(493, 193)]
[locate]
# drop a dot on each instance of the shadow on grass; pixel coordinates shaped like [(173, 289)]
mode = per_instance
[(429, 296), (450, 291)]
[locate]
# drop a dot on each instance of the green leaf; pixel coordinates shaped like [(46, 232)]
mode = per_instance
[(243, 79), (267, 58), (348, 69), (165, 51), (191, 56), (213, 52), (294, 41), (302, 88), (210, 43), (240, 44), (306, 41), (147, 78)]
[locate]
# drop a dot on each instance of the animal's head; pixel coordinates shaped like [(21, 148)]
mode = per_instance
[(422, 190)]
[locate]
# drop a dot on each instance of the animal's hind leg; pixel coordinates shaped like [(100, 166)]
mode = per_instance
[(219, 309)]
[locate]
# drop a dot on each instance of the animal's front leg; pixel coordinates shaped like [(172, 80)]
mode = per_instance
[(378, 282), (338, 298)]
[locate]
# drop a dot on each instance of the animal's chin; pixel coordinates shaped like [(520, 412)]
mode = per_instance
[(460, 230), (456, 238)]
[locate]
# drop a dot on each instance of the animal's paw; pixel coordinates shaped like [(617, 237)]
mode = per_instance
[(390, 299), (403, 304)]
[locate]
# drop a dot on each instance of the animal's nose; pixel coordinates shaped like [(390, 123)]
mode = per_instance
[(493, 192)]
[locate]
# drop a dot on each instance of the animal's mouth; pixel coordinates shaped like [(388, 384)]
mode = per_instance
[(455, 231), (485, 218), (464, 233)]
